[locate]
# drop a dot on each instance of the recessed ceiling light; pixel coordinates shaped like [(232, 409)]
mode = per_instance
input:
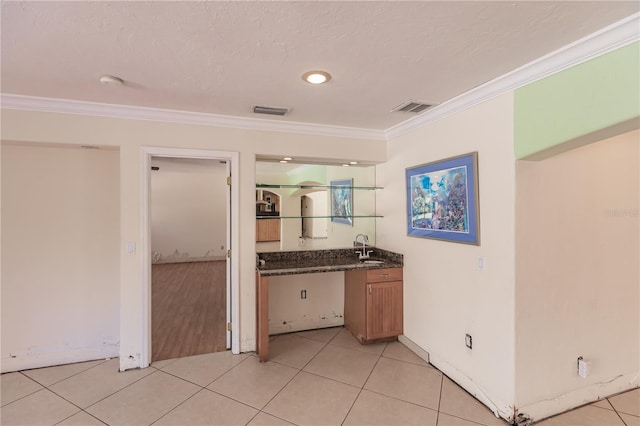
[(345, 165), (316, 77), (353, 163), (283, 161), (110, 80), (287, 158)]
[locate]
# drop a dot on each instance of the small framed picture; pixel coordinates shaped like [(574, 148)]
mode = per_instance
[(342, 201)]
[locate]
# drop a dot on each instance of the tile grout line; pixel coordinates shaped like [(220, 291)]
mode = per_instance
[(439, 399), (24, 396), (111, 394), (295, 375), (174, 408), (202, 388), (363, 385), (62, 380), (617, 413)]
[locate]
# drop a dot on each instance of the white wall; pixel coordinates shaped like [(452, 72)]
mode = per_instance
[(578, 282), (445, 294), (323, 307), (60, 255), (188, 210), (130, 136)]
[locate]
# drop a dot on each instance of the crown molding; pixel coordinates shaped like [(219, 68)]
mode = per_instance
[(608, 39), (615, 36), (67, 106)]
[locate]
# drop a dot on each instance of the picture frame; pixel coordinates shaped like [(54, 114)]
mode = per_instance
[(341, 194), (442, 200)]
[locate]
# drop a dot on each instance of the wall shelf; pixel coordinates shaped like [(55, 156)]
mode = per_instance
[(317, 217), (266, 185)]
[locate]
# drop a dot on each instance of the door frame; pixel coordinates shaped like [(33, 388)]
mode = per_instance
[(233, 234)]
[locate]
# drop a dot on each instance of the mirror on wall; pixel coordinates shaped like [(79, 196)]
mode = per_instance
[(294, 204)]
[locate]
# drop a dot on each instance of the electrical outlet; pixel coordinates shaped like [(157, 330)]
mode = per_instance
[(303, 294), (583, 367), (468, 341)]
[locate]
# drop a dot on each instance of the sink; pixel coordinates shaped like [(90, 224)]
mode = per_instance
[(372, 261)]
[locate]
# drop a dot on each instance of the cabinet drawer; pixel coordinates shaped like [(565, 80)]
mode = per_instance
[(383, 275)]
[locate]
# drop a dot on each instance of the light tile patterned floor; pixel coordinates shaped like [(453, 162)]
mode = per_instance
[(321, 377)]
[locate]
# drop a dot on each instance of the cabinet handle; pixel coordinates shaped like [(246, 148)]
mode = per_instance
[(369, 288), (385, 275)]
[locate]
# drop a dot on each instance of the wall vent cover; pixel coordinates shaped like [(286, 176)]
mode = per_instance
[(412, 106), (269, 110)]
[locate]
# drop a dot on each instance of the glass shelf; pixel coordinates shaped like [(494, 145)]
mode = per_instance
[(267, 185), (317, 217)]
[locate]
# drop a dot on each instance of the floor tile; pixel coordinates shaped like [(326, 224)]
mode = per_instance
[(204, 369), (584, 416), (627, 402), (163, 363), (40, 408), (50, 375), (81, 419), (375, 409), (408, 382), (447, 420), (14, 386), (313, 400), (293, 350), (145, 401), (397, 350), (264, 419), (342, 364), (323, 335), (457, 402), (346, 339), (630, 420), (92, 385), (253, 382), (603, 403), (208, 408)]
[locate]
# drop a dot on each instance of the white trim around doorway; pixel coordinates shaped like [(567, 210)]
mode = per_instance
[(232, 159)]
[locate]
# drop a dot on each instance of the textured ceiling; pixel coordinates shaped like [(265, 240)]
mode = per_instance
[(224, 57)]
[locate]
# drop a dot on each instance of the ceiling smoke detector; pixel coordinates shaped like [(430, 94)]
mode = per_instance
[(412, 106), (269, 110)]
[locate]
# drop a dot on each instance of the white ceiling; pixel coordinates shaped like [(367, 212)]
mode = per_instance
[(224, 57)]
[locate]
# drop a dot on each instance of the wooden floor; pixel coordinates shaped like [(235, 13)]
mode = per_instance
[(188, 312)]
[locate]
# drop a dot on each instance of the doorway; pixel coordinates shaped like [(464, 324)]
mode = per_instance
[(181, 265), (188, 245)]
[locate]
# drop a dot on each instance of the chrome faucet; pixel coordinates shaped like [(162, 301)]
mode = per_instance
[(365, 253)]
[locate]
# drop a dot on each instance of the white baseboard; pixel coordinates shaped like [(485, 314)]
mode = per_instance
[(27, 362), (414, 347), (310, 324), (499, 408), (586, 395), (188, 259)]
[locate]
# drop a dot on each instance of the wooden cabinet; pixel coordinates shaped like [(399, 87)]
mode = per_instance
[(373, 303), (267, 230)]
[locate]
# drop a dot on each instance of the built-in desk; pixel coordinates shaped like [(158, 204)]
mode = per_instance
[(309, 262)]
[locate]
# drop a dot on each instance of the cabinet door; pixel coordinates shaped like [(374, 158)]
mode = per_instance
[(262, 228), (273, 234), (384, 309)]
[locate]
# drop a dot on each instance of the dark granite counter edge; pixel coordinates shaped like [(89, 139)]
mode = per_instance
[(317, 261)]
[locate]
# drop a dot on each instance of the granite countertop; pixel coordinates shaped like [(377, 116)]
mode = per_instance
[(314, 261)]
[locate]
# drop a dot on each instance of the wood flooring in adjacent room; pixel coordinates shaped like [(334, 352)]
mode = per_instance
[(188, 312)]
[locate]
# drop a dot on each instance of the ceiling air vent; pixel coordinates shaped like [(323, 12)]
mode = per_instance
[(270, 110), (412, 106)]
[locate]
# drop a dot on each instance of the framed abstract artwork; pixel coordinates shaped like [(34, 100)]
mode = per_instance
[(342, 201), (442, 200)]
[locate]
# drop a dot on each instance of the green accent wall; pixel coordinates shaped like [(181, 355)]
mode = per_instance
[(568, 107)]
